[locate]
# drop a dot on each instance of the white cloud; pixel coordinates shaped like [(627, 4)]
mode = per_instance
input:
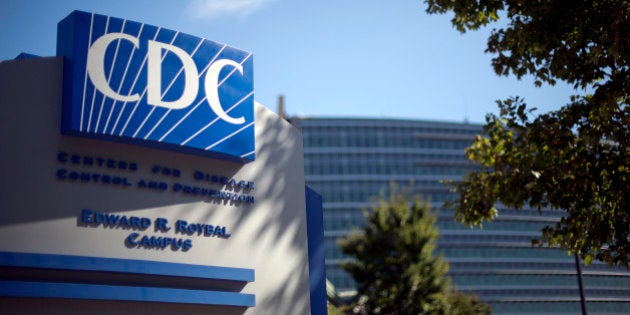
[(205, 9)]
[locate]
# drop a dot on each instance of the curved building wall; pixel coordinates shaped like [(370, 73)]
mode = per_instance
[(351, 161)]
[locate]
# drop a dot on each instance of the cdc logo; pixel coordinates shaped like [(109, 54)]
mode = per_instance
[(142, 84)]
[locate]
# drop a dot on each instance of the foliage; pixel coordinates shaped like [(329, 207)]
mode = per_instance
[(333, 310), (394, 263), (575, 159), (464, 304)]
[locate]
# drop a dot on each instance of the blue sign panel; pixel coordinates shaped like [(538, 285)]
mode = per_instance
[(142, 84)]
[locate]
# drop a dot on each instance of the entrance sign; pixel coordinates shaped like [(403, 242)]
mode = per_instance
[(131, 82), (177, 224)]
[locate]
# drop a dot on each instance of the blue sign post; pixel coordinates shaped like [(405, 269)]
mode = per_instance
[(131, 82), (136, 226)]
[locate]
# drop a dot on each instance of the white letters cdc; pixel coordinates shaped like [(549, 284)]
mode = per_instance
[(96, 73)]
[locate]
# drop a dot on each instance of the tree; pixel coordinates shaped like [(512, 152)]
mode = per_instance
[(394, 263), (575, 159), (462, 303)]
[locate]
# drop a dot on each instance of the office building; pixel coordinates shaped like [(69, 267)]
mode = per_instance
[(350, 161)]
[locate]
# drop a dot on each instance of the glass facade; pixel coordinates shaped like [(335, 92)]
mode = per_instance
[(351, 161)]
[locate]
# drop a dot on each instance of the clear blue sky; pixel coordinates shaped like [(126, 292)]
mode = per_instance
[(362, 58)]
